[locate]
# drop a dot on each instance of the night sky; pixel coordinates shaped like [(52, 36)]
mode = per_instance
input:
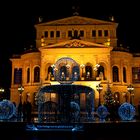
[(18, 20)]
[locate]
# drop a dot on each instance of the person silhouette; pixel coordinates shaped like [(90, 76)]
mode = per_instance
[(20, 110), (28, 111), (24, 111)]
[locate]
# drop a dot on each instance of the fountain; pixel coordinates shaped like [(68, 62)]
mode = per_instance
[(67, 105)]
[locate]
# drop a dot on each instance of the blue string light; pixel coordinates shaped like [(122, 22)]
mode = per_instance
[(126, 111)]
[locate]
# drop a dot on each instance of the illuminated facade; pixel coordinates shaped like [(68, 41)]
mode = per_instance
[(92, 44)]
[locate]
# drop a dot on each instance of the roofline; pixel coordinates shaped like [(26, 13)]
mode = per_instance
[(48, 23)]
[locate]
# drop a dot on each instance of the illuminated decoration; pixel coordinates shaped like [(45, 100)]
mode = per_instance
[(108, 97), (107, 43), (42, 41), (75, 111), (66, 70), (127, 112), (82, 66), (67, 127), (102, 112), (7, 110), (96, 67)]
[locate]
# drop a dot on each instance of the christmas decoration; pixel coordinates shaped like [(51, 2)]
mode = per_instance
[(102, 112), (7, 109), (126, 112), (108, 98)]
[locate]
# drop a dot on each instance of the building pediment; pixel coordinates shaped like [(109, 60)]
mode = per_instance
[(75, 43), (76, 20)]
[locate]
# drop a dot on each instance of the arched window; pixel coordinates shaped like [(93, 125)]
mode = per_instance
[(115, 74), (75, 72), (124, 74), (37, 74), (63, 72), (28, 75), (50, 73), (88, 70), (50, 70), (101, 73)]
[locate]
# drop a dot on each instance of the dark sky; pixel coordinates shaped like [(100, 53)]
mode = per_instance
[(18, 20)]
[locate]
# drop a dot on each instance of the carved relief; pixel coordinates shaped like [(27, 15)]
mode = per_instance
[(74, 44)]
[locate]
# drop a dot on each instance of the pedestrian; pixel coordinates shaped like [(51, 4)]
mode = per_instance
[(24, 111), (28, 111), (20, 110)]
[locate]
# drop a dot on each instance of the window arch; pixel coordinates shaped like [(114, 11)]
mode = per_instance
[(63, 72), (101, 73), (88, 70), (28, 75), (115, 74), (75, 72), (50, 70), (124, 74), (50, 73), (36, 74)]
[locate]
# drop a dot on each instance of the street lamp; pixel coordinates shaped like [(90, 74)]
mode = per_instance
[(99, 89), (130, 89), (20, 89), (1, 92)]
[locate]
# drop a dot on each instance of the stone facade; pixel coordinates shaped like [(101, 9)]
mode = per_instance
[(89, 42)]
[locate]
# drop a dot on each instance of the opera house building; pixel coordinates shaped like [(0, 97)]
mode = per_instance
[(76, 50)]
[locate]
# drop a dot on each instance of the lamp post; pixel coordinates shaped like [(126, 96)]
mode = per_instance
[(130, 89), (99, 89), (20, 89), (1, 93)]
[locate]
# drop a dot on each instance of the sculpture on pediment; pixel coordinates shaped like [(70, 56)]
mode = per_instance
[(75, 44)]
